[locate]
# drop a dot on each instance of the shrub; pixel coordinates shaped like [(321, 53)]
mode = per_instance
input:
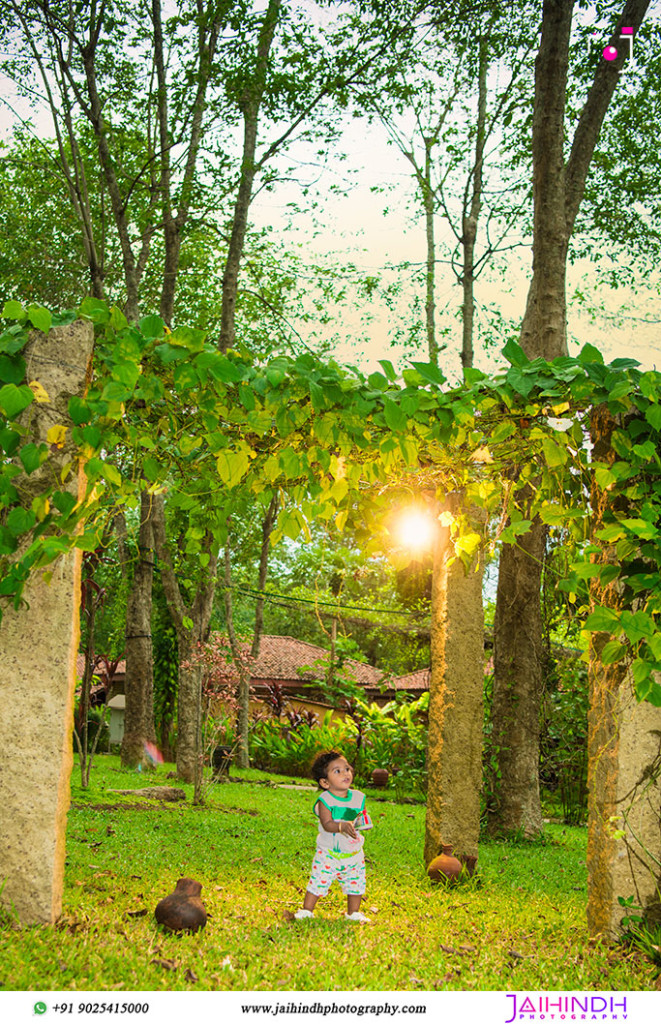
[(274, 746), (564, 761)]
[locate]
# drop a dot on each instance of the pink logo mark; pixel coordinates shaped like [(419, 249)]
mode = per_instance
[(626, 36)]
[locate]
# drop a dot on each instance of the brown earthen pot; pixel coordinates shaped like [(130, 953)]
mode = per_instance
[(469, 862), (182, 910), (380, 777), (445, 867)]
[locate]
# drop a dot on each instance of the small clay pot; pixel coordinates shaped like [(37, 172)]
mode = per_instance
[(221, 760), (182, 910), (445, 867), (469, 863), (380, 777)]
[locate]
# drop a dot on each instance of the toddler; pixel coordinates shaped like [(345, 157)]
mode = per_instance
[(339, 854)]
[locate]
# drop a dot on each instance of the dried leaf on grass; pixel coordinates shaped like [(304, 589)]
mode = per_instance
[(167, 965)]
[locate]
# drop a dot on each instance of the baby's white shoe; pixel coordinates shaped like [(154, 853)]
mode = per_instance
[(302, 914), (357, 916)]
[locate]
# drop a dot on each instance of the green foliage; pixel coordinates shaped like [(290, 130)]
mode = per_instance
[(564, 741), (319, 434), (275, 747)]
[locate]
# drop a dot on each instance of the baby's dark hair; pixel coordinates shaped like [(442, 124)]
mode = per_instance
[(320, 766)]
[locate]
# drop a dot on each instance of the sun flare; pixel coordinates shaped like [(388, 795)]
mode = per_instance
[(415, 529)]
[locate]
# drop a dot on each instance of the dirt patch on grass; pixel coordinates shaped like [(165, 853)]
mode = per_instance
[(160, 806)]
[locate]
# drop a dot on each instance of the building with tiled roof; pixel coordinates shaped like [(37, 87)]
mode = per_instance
[(292, 664)]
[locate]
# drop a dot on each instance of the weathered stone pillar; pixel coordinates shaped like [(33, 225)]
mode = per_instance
[(624, 752), (624, 821), (38, 647), (454, 755)]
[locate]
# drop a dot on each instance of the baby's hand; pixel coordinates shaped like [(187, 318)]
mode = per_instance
[(348, 829)]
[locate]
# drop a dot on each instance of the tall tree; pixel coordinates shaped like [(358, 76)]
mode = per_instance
[(456, 120), (162, 118), (558, 187)]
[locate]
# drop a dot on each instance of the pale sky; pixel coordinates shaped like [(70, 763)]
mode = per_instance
[(355, 229)]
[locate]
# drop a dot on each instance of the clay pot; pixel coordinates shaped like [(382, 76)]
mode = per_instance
[(445, 867), (221, 760), (182, 910), (380, 777), (469, 863)]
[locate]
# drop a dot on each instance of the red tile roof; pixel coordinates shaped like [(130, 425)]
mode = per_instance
[(281, 657), (80, 667), (414, 680)]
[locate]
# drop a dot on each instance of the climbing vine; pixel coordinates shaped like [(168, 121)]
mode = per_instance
[(167, 411)]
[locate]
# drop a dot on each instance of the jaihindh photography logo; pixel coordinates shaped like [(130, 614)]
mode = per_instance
[(586, 1006)]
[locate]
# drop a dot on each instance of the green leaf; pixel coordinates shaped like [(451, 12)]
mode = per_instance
[(13, 399), (554, 454), (430, 372), (92, 435), (126, 374), (189, 338), (118, 321), (79, 410), (185, 376), (232, 466), (603, 620), (87, 541), (642, 529), (612, 652), (170, 353), (395, 416), (151, 468), (389, 370), (95, 310), (20, 520), (64, 502), (637, 625), (521, 382), (604, 476), (645, 451), (40, 318), (152, 327), (111, 474), (12, 371), (515, 355), (13, 310), (32, 456), (590, 354), (653, 416), (115, 392)]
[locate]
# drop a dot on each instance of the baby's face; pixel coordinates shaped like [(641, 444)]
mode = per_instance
[(339, 776)]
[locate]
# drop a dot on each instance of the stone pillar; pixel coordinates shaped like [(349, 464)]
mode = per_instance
[(38, 648), (624, 749), (624, 823), (454, 757)]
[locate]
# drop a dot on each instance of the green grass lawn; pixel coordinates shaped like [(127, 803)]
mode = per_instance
[(520, 925)]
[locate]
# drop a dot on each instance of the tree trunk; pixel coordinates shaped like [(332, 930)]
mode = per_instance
[(244, 669), (454, 751), (517, 686), (472, 214), (557, 192), (189, 704), (430, 277), (139, 713), (514, 788), (250, 106), (192, 627)]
